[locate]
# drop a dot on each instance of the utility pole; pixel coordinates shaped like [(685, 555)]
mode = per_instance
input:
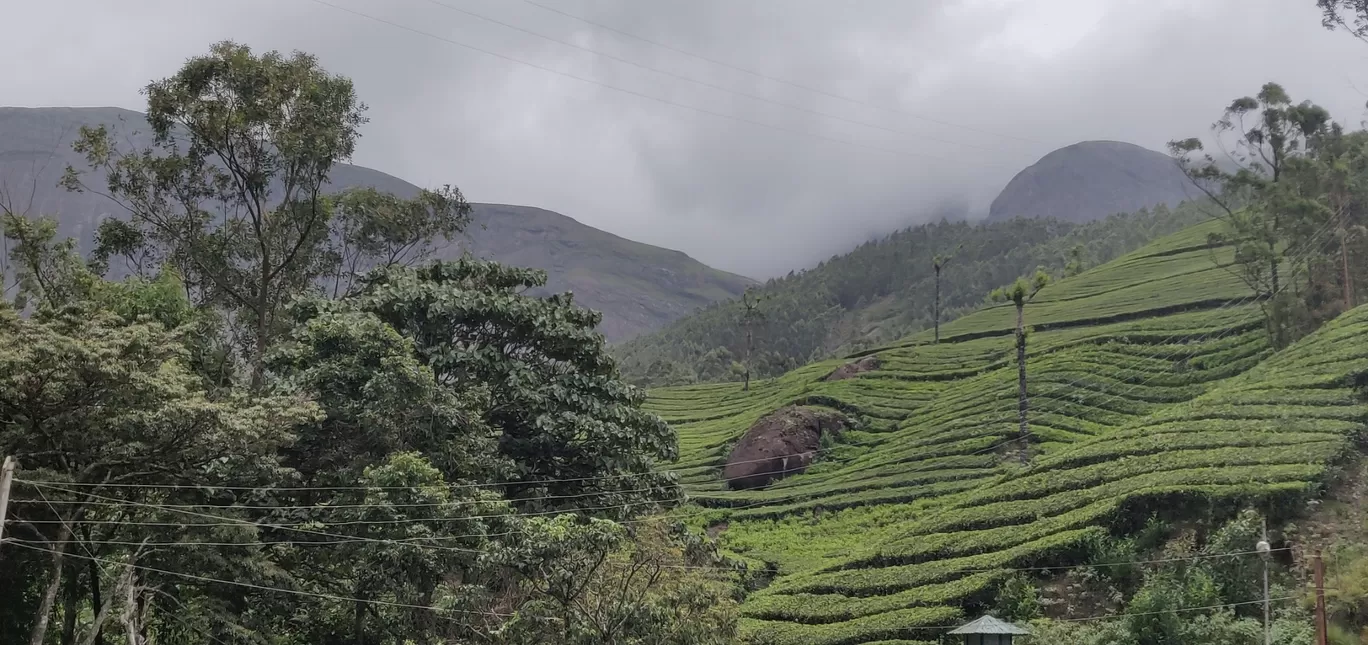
[(6, 478), (937, 263), (748, 318), (1264, 553), (1318, 567)]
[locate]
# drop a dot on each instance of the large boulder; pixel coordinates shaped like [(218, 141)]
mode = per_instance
[(781, 443), (849, 370)]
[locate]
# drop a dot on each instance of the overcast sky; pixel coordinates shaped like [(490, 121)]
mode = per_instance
[(888, 109)]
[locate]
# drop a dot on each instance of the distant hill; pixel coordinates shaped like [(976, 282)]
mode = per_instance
[(883, 290), (638, 287), (1091, 180)]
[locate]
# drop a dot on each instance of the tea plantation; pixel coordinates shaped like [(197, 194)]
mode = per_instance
[(1152, 385)]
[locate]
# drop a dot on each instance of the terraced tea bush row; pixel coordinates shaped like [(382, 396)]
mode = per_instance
[(900, 624), (1202, 455), (1052, 547), (1181, 405), (830, 608)]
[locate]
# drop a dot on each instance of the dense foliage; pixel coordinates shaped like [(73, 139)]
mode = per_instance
[(286, 429), (1294, 206), (881, 291), (232, 191)]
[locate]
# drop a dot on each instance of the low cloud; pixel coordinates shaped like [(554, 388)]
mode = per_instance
[(946, 99)]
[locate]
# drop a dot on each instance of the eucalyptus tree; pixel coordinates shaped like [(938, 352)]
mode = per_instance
[(232, 191), (1020, 293)]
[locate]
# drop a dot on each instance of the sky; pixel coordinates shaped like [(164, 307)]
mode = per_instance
[(758, 136)]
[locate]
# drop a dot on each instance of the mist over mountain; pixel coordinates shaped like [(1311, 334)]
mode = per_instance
[(1091, 180), (638, 287)]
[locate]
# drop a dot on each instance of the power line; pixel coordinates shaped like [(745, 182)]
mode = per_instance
[(491, 614), (1048, 394), (1246, 300), (1315, 238), (342, 507), (533, 482), (963, 570), (242, 522), (249, 585), (1148, 613), (115, 502)]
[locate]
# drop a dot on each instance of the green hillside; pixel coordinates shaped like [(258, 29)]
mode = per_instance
[(882, 291), (1153, 388)]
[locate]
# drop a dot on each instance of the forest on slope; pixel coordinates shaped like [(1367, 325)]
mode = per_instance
[(881, 291)]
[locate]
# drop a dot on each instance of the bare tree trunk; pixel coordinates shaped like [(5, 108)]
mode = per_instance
[(71, 600), (96, 636), (1024, 431), (749, 339), (1273, 273), (130, 617), (359, 623), (44, 613), (143, 638), (259, 351)]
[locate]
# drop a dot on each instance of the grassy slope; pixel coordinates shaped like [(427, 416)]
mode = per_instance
[(1151, 384)]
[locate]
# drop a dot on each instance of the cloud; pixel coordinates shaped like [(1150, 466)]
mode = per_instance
[(944, 99)]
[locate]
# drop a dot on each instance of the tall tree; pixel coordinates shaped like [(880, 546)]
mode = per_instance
[(1020, 293), (1338, 184), (938, 264), (1259, 200), (1076, 263), (231, 192), (1350, 15)]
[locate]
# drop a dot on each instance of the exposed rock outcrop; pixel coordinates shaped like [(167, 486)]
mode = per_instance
[(779, 444), (849, 370)]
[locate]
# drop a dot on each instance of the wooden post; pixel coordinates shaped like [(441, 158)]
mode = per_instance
[(6, 477), (1318, 567)]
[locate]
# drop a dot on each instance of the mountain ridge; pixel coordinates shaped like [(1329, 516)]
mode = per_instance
[(883, 290), (638, 287)]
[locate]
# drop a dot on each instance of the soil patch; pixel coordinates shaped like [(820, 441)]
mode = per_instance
[(849, 370)]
